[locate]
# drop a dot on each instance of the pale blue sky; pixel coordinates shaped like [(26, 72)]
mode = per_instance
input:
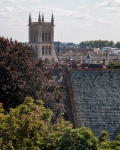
[(79, 20)]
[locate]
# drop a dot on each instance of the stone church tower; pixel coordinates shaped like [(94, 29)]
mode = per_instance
[(41, 39)]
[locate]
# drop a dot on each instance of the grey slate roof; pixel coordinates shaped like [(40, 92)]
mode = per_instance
[(94, 97)]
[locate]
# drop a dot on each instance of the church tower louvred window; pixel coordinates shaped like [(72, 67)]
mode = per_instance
[(43, 50), (31, 37), (43, 36), (36, 37), (46, 36), (49, 50), (49, 36), (46, 50), (36, 51)]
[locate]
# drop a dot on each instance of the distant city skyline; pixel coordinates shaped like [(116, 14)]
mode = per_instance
[(75, 20)]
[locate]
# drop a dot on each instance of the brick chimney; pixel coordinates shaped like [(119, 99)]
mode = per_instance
[(103, 61)]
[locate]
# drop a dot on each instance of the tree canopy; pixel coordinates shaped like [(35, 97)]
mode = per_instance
[(118, 44), (29, 127), (112, 65), (97, 44), (75, 139)]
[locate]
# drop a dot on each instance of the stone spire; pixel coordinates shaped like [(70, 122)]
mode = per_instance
[(42, 17), (52, 19), (39, 18), (30, 20)]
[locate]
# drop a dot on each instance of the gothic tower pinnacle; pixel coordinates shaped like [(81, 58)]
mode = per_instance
[(42, 17), (30, 20), (52, 19), (39, 18)]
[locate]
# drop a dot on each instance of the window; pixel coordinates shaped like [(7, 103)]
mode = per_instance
[(49, 50), (46, 36), (31, 37), (49, 37), (43, 50), (43, 36), (46, 50), (36, 51), (34, 36)]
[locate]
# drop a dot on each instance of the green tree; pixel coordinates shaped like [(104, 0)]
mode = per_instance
[(116, 143), (97, 44), (78, 139), (111, 44), (103, 141), (103, 136), (118, 44), (113, 65), (28, 127)]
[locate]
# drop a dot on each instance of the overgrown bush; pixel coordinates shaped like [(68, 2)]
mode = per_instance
[(113, 65)]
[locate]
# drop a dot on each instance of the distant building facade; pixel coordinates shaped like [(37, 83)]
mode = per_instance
[(41, 39)]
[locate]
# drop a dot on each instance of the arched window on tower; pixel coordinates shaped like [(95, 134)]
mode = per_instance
[(31, 37), (43, 50), (49, 37), (49, 50), (36, 36), (46, 36), (46, 50), (36, 53), (43, 36)]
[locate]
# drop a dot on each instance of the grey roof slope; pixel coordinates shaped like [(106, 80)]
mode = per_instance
[(94, 97)]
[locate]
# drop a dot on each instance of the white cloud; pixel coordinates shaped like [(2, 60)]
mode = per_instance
[(19, 1), (13, 1), (110, 3), (83, 7), (101, 21), (36, 1), (18, 10), (83, 17), (62, 12), (85, 22)]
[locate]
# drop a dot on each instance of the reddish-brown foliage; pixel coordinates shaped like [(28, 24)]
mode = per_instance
[(20, 76)]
